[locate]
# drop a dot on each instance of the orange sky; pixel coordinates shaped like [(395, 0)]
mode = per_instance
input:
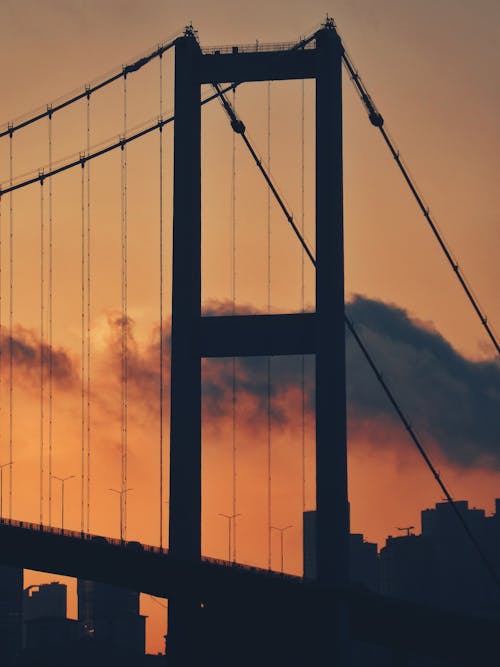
[(428, 67)]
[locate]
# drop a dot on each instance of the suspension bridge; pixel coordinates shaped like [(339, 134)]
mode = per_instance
[(216, 607)]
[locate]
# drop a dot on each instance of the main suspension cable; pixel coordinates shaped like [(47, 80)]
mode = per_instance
[(301, 44), (122, 141), (134, 66), (239, 128), (377, 121)]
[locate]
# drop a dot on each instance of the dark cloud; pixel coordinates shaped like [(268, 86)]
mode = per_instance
[(143, 361), (27, 352), (226, 307), (255, 380), (450, 400)]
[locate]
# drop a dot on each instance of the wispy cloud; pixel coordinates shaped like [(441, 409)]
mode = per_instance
[(27, 353)]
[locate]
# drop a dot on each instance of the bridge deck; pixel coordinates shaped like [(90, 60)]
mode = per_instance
[(235, 592)]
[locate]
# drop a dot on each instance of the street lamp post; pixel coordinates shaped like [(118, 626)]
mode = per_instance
[(281, 531), (62, 480), (230, 518), (4, 465), (122, 526)]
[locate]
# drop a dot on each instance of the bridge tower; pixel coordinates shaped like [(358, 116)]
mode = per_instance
[(321, 333)]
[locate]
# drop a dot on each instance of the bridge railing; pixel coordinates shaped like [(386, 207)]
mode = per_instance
[(132, 544), (256, 47), (53, 530)]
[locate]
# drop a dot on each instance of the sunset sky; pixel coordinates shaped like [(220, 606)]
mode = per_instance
[(430, 68)]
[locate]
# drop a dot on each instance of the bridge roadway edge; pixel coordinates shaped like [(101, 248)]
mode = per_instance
[(250, 602)]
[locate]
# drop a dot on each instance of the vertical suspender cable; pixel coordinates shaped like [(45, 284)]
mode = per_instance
[(51, 341), (42, 342), (269, 420), (161, 299), (11, 320), (233, 296), (1, 333), (302, 285), (124, 326), (82, 350), (88, 316)]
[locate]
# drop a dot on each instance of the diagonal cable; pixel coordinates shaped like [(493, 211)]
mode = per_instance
[(377, 121), (239, 127)]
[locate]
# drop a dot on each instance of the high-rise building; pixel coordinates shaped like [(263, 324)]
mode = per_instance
[(464, 582), (45, 600), (111, 615), (11, 613), (441, 565), (408, 568), (45, 622)]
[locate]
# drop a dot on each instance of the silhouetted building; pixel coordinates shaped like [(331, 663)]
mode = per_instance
[(45, 622), (408, 568), (364, 565), (85, 652), (441, 566), (364, 568), (48, 632), (11, 613), (45, 600), (111, 615), (464, 582)]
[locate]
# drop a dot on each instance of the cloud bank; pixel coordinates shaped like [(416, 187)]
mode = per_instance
[(449, 399), (452, 401)]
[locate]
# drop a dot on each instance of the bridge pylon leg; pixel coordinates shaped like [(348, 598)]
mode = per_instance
[(185, 418), (322, 333), (332, 507)]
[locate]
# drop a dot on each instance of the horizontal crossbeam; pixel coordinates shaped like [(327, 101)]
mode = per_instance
[(259, 66), (258, 335)]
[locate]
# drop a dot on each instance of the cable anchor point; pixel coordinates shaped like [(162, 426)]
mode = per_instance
[(238, 126)]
